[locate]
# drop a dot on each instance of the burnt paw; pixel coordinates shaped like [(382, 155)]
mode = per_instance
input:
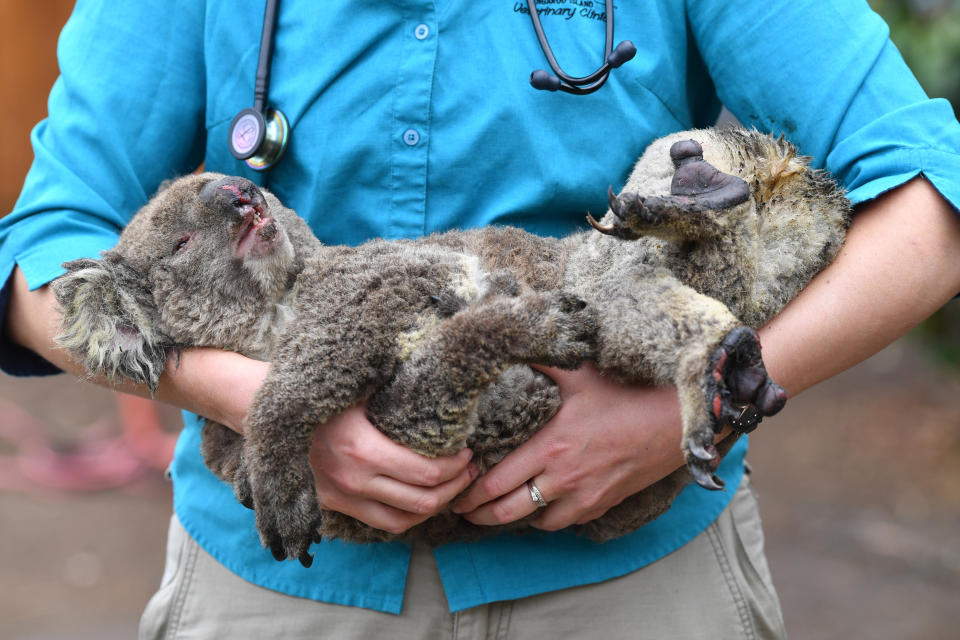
[(739, 393), (697, 179)]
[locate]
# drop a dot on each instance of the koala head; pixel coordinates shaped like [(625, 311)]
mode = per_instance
[(200, 264)]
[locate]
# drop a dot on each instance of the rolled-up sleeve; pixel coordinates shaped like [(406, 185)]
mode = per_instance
[(126, 113), (827, 76)]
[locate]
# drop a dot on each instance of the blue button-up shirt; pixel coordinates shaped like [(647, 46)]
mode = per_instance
[(415, 116)]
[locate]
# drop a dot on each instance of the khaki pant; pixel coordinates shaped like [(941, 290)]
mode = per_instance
[(718, 586)]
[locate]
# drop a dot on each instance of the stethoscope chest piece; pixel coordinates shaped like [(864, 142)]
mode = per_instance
[(259, 138)]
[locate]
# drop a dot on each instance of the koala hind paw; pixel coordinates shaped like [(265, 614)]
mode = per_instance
[(739, 393)]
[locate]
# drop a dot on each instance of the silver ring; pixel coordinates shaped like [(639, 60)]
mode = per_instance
[(535, 494)]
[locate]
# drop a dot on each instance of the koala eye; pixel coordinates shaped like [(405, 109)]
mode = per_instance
[(181, 243)]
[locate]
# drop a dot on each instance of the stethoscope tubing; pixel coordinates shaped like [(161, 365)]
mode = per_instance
[(599, 76), (262, 83)]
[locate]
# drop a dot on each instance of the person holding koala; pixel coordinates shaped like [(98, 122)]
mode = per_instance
[(396, 133)]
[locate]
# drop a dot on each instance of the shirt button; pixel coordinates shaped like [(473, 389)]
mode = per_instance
[(421, 31), (411, 137)]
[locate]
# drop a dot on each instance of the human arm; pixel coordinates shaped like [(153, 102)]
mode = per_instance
[(897, 266)]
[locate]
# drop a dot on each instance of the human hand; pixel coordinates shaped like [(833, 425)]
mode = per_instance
[(358, 471), (607, 442), (362, 473)]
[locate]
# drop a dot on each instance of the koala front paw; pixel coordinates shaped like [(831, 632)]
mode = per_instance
[(738, 392), (568, 330), (287, 514)]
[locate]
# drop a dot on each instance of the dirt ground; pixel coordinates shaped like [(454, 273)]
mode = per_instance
[(859, 482)]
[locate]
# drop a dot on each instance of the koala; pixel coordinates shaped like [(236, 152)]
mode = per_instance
[(713, 233)]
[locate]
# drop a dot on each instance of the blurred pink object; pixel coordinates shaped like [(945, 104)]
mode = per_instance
[(94, 462)]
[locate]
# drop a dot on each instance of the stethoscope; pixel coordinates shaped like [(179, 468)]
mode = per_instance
[(259, 135), (612, 58)]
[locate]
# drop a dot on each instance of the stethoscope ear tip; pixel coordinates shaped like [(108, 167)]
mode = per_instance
[(541, 79)]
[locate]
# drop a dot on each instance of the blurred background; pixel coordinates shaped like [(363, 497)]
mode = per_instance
[(859, 480)]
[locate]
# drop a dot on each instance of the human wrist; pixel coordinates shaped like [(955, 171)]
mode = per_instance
[(214, 383)]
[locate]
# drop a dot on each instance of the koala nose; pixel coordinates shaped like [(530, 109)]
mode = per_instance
[(233, 196)]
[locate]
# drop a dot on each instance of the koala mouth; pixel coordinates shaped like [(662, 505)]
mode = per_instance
[(257, 235)]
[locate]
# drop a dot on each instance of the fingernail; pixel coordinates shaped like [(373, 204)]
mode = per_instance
[(473, 470)]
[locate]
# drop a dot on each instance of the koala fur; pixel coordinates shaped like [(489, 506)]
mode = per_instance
[(714, 232)]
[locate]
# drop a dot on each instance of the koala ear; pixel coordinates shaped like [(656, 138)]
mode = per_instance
[(109, 320)]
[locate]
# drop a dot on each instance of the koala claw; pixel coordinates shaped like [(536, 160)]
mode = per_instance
[(706, 453), (289, 544), (706, 479), (703, 459), (617, 229), (277, 550), (279, 554), (613, 201), (289, 528)]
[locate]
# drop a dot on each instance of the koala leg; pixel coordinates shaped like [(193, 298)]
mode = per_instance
[(654, 329), (314, 376), (430, 405), (282, 485)]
